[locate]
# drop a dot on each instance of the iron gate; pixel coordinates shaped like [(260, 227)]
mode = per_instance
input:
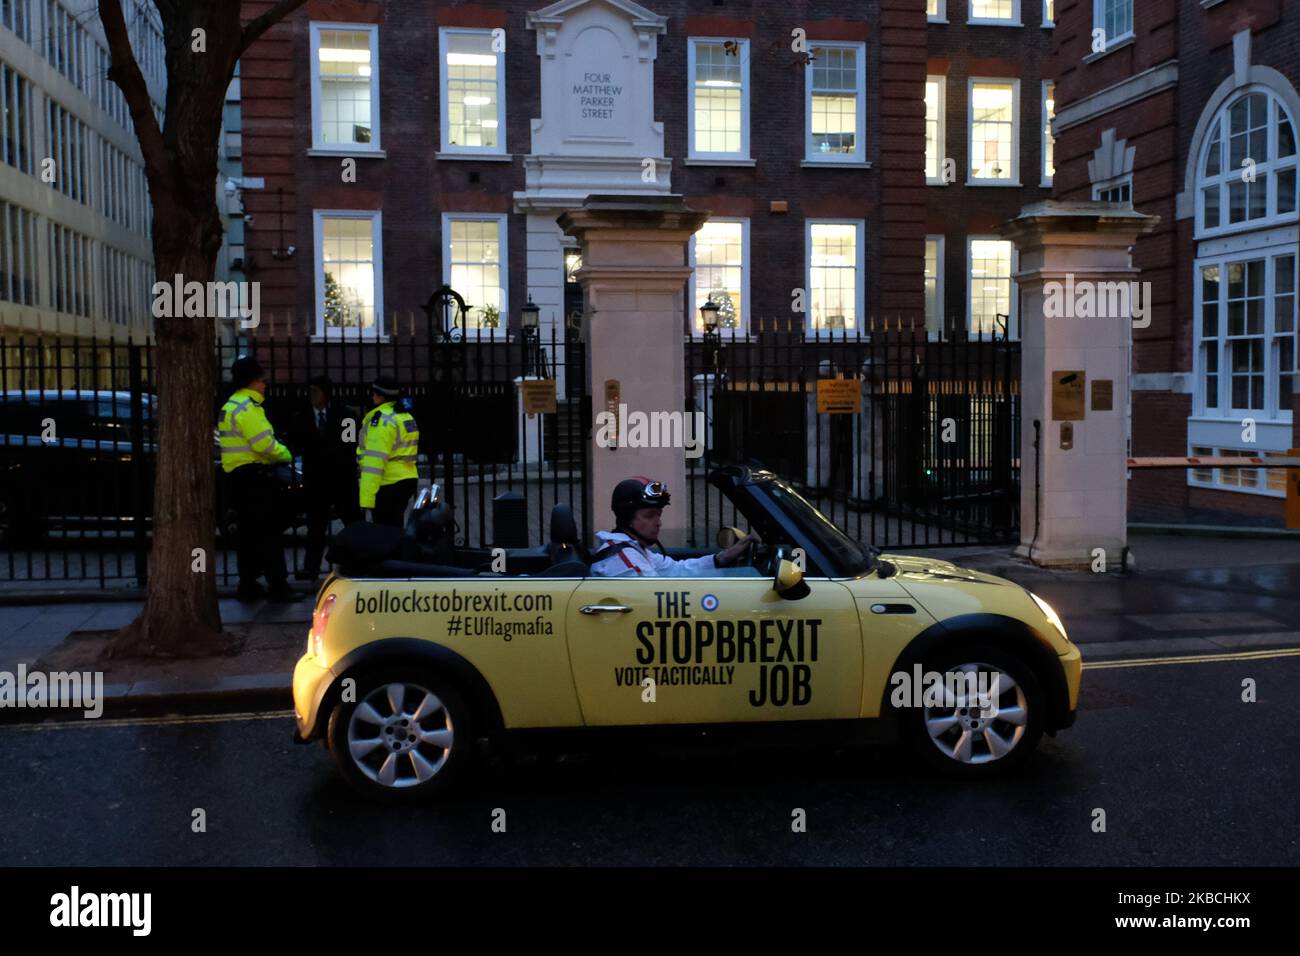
[(932, 458)]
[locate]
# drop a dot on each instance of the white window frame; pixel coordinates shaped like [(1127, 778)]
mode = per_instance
[(742, 330), (347, 149), (1045, 135), (941, 139), (743, 55), (1266, 247), (1014, 83), (1216, 484), (859, 156), (1099, 23), (376, 218), (1226, 175), (1014, 20), (444, 116), (941, 13), (503, 235), (937, 334), (1013, 298), (1108, 184), (860, 285)]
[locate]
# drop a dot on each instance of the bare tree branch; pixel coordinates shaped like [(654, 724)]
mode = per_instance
[(260, 25), (125, 72)]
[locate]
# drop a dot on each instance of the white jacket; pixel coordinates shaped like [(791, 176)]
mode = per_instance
[(638, 561)]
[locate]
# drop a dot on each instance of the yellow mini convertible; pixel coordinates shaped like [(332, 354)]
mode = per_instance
[(419, 649)]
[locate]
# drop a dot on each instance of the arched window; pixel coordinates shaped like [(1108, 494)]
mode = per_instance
[(1246, 279), (1246, 177)]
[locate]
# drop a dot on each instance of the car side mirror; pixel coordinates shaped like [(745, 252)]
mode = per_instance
[(788, 581), (729, 536)]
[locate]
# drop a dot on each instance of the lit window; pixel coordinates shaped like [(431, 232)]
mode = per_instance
[(990, 286), (1114, 18), (473, 92), (934, 128), (1241, 479), (349, 298), (1205, 475), (835, 102), (1049, 13), (1246, 353), (995, 11), (1049, 141), (719, 98), (994, 136), (835, 286), (936, 9), (345, 87), (719, 253), (934, 285), (474, 264)]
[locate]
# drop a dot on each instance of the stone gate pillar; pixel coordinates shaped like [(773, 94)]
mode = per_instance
[(1079, 300), (634, 272)]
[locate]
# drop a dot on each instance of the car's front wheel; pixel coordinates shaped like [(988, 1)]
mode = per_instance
[(984, 717), (404, 735)]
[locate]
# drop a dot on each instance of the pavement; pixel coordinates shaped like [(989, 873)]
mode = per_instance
[(1190, 595)]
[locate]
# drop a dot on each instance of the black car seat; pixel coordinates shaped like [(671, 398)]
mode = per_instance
[(567, 554)]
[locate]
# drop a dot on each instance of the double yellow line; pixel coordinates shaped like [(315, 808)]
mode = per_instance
[(1192, 659)]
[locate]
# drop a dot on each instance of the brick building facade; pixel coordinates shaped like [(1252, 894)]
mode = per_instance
[(987, 59), (777, 182), (1188, 110)]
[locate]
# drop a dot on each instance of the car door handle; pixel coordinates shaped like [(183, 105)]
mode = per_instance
[(605, 609)]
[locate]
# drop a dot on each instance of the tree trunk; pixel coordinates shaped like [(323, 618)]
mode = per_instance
[(180, 616)]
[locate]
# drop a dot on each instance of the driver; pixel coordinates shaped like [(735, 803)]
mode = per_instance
[(638, 505)]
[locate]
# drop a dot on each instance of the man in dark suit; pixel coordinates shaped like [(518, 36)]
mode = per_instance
[(324, 435)]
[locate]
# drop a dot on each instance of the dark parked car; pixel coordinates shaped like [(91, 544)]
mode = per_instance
[(68, 463)]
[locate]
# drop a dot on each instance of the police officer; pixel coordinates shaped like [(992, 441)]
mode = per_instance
[(249, 454), (629, 550), (386, 453)]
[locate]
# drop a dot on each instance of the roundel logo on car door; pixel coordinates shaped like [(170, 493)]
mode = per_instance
[(737, 651)]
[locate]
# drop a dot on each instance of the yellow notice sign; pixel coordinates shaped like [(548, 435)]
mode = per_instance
[(839, 396), (539, 396)]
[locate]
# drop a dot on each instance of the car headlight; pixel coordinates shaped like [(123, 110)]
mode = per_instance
[(1050, 613), (316, 636)]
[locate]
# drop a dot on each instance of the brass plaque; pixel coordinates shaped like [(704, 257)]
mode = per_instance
[(539, 397), (839, 396), (1067, 395), (1103, 395), (1067, 436)]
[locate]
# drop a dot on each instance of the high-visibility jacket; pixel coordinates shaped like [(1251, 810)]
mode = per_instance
[(386, 451), (244, 434)]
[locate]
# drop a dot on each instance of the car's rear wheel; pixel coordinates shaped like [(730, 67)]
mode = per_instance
[(406, 735), (984, 720)]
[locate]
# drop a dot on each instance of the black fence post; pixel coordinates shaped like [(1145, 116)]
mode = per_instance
[(139, 476)]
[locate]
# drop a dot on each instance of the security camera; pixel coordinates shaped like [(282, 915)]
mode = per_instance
[(290, 250), (248, 219)]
